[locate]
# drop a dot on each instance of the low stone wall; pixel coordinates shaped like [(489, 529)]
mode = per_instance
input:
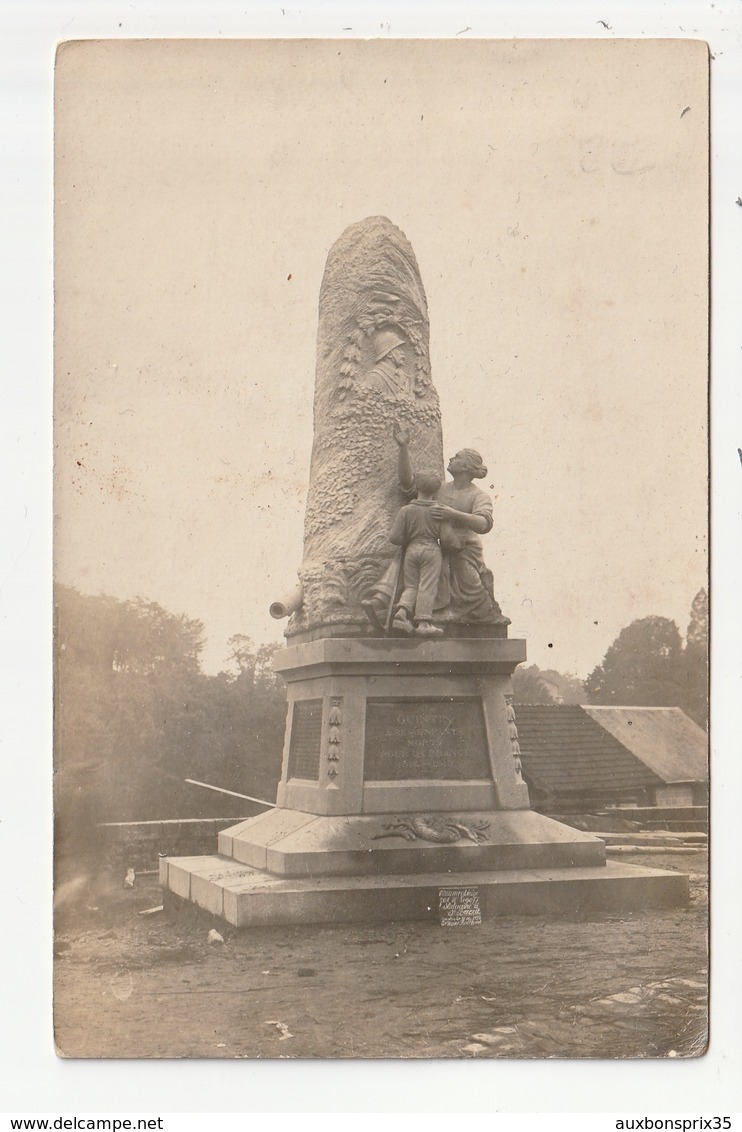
[(596, 823), (673, 818), (139, 845)]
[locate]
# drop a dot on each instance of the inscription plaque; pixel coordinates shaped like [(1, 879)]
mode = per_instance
[(306, 740), (457, 906), (440, 739)]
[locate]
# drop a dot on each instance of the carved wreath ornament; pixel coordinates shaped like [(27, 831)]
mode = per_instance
[(437, 828), (382, 317)]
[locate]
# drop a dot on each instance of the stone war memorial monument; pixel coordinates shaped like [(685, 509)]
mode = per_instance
[(401, 793)]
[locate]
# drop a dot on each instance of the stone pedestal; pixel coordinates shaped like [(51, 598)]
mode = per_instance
[(378, 726), (401, 778)]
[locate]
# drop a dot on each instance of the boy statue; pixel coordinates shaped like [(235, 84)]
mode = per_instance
[(418, 534)]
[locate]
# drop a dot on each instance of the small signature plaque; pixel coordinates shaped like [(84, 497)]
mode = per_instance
[(457, 906)]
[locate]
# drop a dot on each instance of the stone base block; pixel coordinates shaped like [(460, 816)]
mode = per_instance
[(381, 726), (249, 897), (291, 843)]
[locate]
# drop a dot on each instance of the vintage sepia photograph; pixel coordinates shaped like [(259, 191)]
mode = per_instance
[(380, 548)]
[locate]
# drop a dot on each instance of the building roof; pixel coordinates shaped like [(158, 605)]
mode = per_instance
[(565, 752), (663, 738)]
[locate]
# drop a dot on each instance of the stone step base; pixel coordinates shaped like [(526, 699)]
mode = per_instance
[(294, 843), (249, 897)]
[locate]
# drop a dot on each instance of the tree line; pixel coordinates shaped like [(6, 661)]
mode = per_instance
[(135, 715), (648, 665)]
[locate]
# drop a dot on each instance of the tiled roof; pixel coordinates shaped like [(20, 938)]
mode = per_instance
[(564, 751), (663, 738)]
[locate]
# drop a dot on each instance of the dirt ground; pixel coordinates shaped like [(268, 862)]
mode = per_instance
[(606, 985)]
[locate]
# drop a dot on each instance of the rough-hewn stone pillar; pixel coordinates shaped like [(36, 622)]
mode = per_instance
[(373, 372)]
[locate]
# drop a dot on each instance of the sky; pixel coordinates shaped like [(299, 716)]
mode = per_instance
[(555, 194)]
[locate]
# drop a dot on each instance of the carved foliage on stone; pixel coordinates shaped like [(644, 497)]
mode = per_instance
[(335, 588), (441, 829), (513, 732), (354, 494)]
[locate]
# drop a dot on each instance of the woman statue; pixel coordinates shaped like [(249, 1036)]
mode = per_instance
[(465, 591)]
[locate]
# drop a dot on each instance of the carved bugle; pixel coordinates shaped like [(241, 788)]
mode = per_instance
[(289, 604)]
